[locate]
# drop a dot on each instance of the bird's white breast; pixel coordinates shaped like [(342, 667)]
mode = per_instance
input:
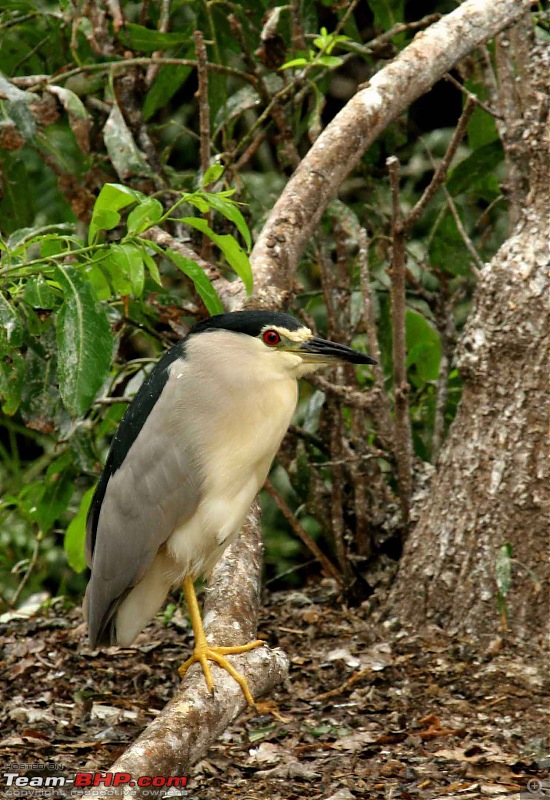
[(237, 414)]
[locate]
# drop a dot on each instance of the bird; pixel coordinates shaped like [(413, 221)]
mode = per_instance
[(190, 454)]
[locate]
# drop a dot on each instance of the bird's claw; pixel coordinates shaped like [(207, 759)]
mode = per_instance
[(204, 652)]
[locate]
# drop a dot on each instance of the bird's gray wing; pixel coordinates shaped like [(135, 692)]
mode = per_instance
[(150, 484)]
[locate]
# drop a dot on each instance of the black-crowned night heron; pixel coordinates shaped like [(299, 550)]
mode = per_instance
[(190, 455)]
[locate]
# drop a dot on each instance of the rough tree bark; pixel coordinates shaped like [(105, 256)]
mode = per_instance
[(492, 481), (182, 732)]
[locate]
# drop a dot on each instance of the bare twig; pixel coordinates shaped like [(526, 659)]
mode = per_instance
[(337, 525), (349, 394), (440, 172), (403, 437), (107, 66), (163, 25), (302, 534), (462, 231), (204, 127), (28, 572), (380, 407), (471, 96)]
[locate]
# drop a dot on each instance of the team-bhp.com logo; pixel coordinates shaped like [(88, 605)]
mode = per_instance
[(84, 780)]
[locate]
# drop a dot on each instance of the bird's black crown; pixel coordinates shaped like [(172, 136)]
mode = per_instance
[(249, 322)]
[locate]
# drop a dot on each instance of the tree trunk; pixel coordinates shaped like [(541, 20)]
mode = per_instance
[(491, 484)]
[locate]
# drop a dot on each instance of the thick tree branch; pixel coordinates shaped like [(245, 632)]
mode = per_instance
[(335, 153)]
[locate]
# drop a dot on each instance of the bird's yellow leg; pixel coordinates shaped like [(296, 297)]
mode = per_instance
[(204, 652)]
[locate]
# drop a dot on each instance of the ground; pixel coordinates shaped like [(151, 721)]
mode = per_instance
[(367, 712)]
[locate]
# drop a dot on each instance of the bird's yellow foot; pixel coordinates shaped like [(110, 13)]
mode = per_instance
[(203, 653)]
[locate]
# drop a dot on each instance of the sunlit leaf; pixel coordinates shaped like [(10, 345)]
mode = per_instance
[(75, 534), (423, 346), (212, 174), (203, 286), (112, 198), (144, 215), (235, 255), (230, 211)]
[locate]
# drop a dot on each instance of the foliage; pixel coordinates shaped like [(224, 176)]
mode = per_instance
[(101, 142)]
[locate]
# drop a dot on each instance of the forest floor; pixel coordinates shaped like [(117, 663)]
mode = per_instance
[(367, 712)]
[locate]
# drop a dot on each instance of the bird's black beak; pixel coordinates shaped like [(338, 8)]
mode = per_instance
[(322, 351)]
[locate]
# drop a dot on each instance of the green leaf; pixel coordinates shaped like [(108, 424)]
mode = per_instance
[(235, 255), (40, 397), (11, 331), (387, 13), (38, 293), (478, 165), (106, 220), (447, 250), (125, 155), (75, 535), (112, 197), (79, 119), (54, 245), (17, 107), (329, 61), (169, 79), (85, 342), (295, 62), (58, 490), (203, 286), (144, 215), (95, 272), (231, 212), (133, 256), (147, 40), (124, 265), (503, 569), (423, 346), (12, 373), (212, 174), (152, 267)]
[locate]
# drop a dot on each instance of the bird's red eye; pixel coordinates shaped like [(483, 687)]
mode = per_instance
[(271, 338)]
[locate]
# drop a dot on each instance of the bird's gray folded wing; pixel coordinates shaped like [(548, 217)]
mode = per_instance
[(154, 489)]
